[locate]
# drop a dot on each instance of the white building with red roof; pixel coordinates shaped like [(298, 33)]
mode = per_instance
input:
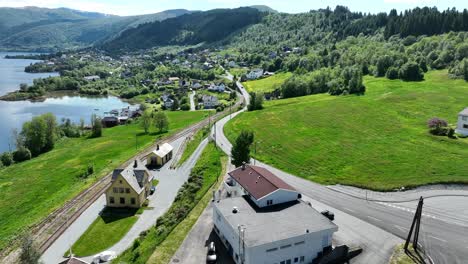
[(265, 220)]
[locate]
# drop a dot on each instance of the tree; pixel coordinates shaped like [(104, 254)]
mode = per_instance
[(22, 154), (34, 134), (96, 130), (6, 158), (161, 122), (392, 73), (50, 131), (241, 149), (29, 252), (146, 121), (256, 101), (410, 71)]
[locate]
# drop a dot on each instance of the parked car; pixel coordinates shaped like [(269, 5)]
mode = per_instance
[(328, 215), (104, 257), (153, 189), (211, 255)]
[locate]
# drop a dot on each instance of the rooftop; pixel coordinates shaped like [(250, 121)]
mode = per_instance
[(163, 150), (258, 181), (133, 175), (287, 220), (464, 112)]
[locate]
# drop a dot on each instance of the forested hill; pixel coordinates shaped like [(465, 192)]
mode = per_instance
[(33, 28), (208, 27)]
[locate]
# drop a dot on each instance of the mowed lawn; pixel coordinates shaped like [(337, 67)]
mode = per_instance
[(268, 84), (378, 141), (31, 190), (105, 231)]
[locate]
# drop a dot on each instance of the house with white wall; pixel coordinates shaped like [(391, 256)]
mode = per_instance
[(462, 124), (267, 222)]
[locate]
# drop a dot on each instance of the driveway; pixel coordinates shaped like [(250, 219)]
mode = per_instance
[(192, 101), (170, 182)]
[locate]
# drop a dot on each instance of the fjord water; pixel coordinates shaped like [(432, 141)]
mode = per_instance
[(14, 114)]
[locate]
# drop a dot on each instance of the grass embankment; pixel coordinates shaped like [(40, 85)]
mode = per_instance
[(203, 176), (171, 244), (268, 84), (29, 191), (378, 141), (192, 144)]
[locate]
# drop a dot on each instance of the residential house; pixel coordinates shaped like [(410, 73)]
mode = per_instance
[(110, 121), (196, 85), (267, 222), (210, 101), (73, 260), (255, 74), (160, 156), (221, 87), (92, 78), (462, 124), (129, 187), (168, 102), (232, 64)]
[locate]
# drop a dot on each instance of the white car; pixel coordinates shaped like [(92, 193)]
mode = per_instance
[(211, 255), (104, 257)]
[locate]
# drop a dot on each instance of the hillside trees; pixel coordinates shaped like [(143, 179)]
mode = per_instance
[(146, 120), (410, 71), (96, 126), (161, 122)]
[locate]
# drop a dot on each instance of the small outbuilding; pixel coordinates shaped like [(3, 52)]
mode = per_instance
[(462, 125), (160, 156)]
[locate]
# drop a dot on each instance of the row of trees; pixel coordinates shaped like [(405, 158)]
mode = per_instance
[(40, 135), (157, 119)]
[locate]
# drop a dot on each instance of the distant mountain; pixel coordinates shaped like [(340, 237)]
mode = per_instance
[(264, 8), (189, 29), (33, 28)]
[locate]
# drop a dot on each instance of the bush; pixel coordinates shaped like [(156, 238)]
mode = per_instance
[(438, 126), (392, 73), (185, 107), (22, 154), (410, 71), (7, 159)]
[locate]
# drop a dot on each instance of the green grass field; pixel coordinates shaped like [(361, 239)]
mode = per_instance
[(267, 84), (31, 190), (378, 141), (105, 231)]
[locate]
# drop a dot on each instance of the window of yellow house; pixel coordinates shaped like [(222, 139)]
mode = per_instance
[(127, 190), (111, 200), (122, 200), (121, 190), (133, 201), (115, 190)]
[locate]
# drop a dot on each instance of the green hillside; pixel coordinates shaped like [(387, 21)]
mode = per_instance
[(34, 28), (377, 141)]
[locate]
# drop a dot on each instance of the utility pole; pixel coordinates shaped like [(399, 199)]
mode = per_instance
[(415, 225)]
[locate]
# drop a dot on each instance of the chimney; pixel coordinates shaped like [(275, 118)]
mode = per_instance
[(135, 164), (243, 165), (157, 147)]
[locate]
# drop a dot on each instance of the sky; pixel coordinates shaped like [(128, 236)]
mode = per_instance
[(137, 7)]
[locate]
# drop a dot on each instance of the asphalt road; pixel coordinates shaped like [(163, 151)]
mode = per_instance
[(443, 241)]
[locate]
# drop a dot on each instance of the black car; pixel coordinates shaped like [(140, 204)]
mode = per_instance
[(153, 189), (328, 215)]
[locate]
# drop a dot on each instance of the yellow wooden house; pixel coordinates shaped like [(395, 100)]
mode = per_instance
[(129, 187)]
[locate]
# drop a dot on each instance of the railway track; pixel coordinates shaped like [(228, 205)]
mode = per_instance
[(52, 227)]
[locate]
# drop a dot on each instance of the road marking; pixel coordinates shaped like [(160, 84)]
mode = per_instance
[(401, 228), (374, 218), (406, 209), (349, 210), (440, 239)]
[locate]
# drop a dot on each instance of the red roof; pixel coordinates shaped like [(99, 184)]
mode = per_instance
[(258, 181)]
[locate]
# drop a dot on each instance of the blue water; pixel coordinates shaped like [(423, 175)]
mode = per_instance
[(14, 114)]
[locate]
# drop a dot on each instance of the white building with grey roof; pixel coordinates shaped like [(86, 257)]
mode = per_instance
[(462, 124), (286, 230)]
